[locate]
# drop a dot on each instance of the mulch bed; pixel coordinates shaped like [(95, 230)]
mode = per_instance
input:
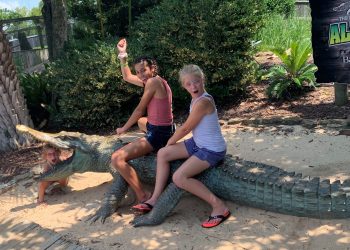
[(318, 104)]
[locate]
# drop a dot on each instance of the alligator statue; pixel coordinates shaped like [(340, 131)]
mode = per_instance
[(244, 182)]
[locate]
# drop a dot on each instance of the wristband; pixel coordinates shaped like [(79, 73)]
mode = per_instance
[(122, 55), (124, 64)]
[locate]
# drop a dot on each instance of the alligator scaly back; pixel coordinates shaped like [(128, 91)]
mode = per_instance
[(245, 182)]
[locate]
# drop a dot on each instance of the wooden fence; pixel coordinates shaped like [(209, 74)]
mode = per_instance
[(32, 57)]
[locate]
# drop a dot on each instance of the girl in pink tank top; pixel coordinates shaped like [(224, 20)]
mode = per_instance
[(159, 109), (156, 101)]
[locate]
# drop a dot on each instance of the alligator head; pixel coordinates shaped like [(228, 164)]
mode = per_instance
[(90, 153)]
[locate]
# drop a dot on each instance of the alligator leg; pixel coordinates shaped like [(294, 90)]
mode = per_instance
[(112, 199), (165, 204)]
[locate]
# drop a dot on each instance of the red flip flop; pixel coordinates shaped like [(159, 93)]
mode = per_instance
[(216, 220), (142, 208)]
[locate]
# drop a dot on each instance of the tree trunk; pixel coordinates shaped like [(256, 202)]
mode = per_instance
[(13, 108), (46, 11), (56, 24)]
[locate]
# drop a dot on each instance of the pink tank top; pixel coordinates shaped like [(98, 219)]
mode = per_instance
[(159, 110)]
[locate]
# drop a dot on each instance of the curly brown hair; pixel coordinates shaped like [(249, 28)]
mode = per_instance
[(151, 62)]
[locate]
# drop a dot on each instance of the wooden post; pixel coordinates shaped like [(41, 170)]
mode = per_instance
[(40, 34), (340, 94)]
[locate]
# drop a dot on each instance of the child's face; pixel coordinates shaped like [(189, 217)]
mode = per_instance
[(193, 84), (52, 156), (143, 71)]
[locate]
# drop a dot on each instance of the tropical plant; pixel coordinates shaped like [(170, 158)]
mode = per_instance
[(295, 75)]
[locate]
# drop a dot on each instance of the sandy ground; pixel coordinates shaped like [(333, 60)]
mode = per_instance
[(318, 152)]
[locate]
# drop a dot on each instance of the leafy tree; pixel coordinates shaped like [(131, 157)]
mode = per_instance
[(9, 14), (114, 16)]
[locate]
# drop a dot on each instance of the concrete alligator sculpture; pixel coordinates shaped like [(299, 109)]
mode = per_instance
[(244, 182)]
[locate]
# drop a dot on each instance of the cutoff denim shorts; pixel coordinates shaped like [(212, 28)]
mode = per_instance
[(204, 154), (158, 136)]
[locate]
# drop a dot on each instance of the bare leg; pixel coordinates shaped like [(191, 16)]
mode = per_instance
[(142, 124), (120, 158), (183, 179), (164, 156), (41, 190)]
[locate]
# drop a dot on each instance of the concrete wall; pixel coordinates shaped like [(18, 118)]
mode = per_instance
[(302, 8)]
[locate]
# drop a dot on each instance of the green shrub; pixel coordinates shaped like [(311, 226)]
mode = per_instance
[(90, 88), (216, 35), (282, 7), (295, 75), (41, 100)]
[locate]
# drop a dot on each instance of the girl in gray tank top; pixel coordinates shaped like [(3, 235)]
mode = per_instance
[(205, 149)]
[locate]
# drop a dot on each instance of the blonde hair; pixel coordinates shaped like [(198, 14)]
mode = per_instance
[(192, 69)]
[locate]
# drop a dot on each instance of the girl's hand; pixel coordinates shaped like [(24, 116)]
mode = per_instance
[(121, 45), (47, 167), (120, 131), (170, 143)]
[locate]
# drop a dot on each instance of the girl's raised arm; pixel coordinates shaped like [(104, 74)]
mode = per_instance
[(123, 56)]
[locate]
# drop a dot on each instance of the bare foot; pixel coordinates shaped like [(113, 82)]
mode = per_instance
[(219, 210), (150, 201), (41, 203), (146, 197)]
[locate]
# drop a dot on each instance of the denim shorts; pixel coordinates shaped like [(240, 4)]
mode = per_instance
[(158, 136), (204, 154)]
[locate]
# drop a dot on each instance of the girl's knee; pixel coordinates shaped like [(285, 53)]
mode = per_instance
[(163, 153), (116, 158), (178, 179)]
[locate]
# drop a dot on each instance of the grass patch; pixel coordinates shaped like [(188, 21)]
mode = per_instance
[(279, 32)]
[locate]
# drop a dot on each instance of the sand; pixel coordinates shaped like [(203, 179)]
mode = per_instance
[(319, 152)]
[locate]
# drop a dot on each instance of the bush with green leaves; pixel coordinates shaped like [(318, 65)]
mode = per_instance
[(90, 89), (41, 100), (295, 75), (215, 35), (114, 15), (281, 7)]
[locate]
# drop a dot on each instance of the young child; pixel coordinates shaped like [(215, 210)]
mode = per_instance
[(205, 149), (51, 156), (157, 102)]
